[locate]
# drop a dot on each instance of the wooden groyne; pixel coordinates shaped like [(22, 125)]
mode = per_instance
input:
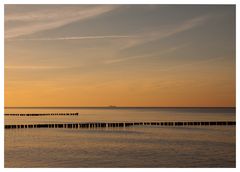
[(43, 114), (121, 124)]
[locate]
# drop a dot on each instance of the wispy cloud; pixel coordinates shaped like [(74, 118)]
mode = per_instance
[(47, 19), (117, 60), (76, 38), (158, 34), (165, 51)]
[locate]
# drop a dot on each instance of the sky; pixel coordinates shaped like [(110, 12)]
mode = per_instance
[(122, 55)]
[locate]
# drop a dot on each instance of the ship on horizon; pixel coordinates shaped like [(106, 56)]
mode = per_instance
[(112, 106)]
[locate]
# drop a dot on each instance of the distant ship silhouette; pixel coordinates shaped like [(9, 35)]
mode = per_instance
[(111, 106)]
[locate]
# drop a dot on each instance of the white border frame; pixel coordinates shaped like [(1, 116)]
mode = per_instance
[(113, 2)]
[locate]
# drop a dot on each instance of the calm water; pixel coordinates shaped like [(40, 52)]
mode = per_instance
[(138, 146)]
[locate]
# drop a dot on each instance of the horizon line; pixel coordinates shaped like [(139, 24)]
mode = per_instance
[(119, 107)]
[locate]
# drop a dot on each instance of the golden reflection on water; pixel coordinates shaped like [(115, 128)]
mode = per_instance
[(122, 147)]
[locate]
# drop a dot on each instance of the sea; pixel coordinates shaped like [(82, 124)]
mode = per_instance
[(127, 147)]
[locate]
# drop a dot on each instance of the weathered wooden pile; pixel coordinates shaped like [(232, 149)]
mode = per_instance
[(122, 124), (43, 114)]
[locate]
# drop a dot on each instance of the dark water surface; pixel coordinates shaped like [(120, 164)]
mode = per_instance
[(138, 146)]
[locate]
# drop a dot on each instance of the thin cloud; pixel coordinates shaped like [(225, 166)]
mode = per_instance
[(169, 50), (33, 22), (150, 36), (117, 60), (76, 38)]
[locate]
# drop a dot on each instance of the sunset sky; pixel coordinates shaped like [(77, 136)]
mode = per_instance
[(123, 55)]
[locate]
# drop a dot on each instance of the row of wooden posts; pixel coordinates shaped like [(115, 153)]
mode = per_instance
[(43, 114), (120, 124)]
